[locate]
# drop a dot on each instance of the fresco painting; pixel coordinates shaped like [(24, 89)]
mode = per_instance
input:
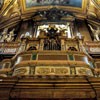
[(73, 3)]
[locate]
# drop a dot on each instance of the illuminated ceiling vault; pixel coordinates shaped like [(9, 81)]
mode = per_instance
[(14, 11)]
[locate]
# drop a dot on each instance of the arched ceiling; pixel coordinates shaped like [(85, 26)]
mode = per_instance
[(13, 11)]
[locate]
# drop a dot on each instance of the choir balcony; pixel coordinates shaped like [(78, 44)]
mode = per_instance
[(49, 56), (61, 63)]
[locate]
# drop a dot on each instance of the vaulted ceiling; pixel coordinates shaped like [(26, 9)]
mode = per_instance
[(14, 11)]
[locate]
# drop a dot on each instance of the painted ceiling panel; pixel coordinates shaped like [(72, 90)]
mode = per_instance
[(25, 9), (74, 3)]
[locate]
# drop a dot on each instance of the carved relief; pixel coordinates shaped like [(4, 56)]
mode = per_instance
[(21, 71), (83, 71), (44, 70), (93, 47)]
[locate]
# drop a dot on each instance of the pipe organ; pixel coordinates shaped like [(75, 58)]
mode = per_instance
[(49, 52)]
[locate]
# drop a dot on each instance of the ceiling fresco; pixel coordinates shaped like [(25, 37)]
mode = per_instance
[(68, 5), (13, 11), (73, 3)]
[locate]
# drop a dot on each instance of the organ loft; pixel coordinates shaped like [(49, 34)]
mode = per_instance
[(50, 49)]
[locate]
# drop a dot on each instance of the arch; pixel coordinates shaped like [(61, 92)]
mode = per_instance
[(32, 48), (72, 49)]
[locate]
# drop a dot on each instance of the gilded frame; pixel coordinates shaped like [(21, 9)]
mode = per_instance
[(39, 8)]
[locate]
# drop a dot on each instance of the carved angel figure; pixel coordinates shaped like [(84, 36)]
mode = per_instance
[(11, 36), (4, 35), (96, 32), (26, 35)]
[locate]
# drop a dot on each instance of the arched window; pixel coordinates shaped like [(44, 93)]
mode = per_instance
[(32, 48), (72, 49)]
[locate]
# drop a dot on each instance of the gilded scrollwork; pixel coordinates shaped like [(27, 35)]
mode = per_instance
[(94, 9), (10, 8), (1, 4), (5, 4)]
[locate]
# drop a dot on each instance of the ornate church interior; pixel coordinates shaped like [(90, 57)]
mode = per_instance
[(49, 50)]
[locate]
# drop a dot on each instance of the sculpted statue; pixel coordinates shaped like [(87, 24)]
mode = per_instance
[(26, 35), (4, 35), (96, 32), (52, 31), (79, 35), (11, 35), (63, 31), (22, 36)]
